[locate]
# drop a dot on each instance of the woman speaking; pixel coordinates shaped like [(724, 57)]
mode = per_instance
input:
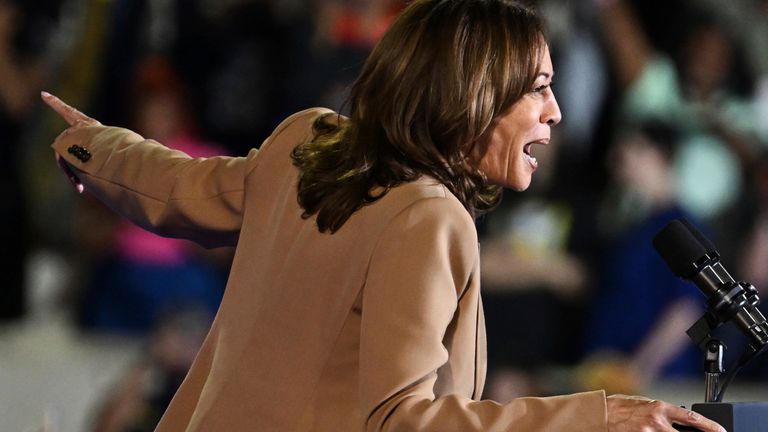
[(353, 301)]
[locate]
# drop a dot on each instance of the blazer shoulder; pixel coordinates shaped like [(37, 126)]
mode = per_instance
[(428, 202), (297, 127), (435, 199), (292, 131)]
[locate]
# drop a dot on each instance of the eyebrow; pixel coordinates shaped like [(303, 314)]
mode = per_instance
[(546, 75)]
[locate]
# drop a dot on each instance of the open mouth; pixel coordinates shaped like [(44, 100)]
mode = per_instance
[(529, 156)]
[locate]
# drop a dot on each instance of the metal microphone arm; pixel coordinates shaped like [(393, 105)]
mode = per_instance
[(691, 256)]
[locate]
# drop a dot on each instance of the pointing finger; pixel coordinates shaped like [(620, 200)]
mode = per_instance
[(70, 114)]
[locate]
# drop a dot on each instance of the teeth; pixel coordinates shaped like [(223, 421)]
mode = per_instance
[(532, 160)]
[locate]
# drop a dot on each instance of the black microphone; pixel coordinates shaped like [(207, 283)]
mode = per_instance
[(691, 256)]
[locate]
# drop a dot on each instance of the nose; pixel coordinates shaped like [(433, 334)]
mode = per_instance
[(551, 114)]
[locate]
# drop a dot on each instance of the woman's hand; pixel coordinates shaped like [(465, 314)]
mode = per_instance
[(634, 414), (71, 115), (74, 118)]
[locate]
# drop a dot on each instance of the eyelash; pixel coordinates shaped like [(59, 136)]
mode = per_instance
[(541, 89)]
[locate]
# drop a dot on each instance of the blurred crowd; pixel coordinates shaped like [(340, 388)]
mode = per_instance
[(665, 115)]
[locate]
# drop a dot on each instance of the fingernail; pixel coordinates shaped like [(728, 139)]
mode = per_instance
[(45, 94)]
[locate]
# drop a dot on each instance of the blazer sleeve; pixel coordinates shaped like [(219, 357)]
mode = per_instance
[(418, 270), (162, 190)]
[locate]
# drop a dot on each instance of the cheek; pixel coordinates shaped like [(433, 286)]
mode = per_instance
[(495, 164)]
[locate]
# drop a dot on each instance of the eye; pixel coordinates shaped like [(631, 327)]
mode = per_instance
[(541, 89)]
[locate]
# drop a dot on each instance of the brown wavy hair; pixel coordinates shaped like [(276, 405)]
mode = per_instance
[(426, 94)]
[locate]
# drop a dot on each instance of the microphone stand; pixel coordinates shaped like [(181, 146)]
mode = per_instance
[(701, 334), (713, 368), (733, 416), (690, 255)]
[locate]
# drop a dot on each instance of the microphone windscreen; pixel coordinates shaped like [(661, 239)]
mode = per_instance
[(679, 248), (703, 240)]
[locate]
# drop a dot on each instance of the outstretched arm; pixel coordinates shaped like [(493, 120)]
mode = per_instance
[(162, 190), (628, 46)]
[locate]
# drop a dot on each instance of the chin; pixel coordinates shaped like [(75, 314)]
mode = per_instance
[(519, 187), (508, 177), (518, 184), (515, 185)]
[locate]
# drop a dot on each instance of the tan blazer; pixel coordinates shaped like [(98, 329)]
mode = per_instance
[(376, 327)]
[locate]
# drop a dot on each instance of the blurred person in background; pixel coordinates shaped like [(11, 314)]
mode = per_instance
[(747, 23), (752, 262), (136, 277), (239, 60), (21, 73), (346, 32), (754, 259), (636, 331), (391, 334), (700, 86), (141, 396)]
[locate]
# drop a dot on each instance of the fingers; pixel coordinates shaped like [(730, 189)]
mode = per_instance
[(690, 418), (628, 413), (71, 115)]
